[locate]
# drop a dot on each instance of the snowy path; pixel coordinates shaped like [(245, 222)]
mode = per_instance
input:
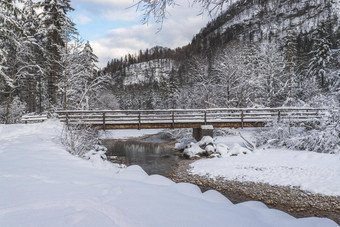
[(310, 171), (42, 185)]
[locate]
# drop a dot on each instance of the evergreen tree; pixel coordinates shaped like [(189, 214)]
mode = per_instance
[(57, 29), (320, 55), (33, 59), (290, 57), (11, 36)]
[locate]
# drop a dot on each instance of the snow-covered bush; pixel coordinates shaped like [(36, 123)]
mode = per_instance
[(323, 137), (224, 132), (97, 154), (108, 101), (79, 140), (174, 134), (17, 109)]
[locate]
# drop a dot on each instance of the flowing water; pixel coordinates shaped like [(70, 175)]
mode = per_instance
[(151, 154)]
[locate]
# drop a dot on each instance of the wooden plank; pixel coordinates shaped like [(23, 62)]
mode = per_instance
[(192, 110), (183, 125)]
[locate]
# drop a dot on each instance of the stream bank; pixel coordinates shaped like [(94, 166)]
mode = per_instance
[(293, 201)]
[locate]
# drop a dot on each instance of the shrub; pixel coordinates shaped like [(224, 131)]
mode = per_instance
[(79, 139), (323, 137)]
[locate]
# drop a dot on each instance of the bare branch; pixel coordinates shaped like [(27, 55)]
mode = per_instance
[(157, 9)]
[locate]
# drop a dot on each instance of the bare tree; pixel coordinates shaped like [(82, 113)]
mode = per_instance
[(158, 8)]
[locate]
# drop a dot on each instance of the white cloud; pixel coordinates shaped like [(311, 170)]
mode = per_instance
[(178, 29), (82, 19), (121, 14)]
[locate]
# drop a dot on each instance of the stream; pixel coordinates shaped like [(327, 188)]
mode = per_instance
[(152, 154)]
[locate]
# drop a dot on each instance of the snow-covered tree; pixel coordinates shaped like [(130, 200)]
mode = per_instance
[(229, 68), (320, 56), (173, 90), (272, 81), (32, 58), (57, 27), (290, 69), (202, 82), (11, 36), (81, 82)]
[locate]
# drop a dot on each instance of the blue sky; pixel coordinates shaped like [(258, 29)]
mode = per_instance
[(114, 29)]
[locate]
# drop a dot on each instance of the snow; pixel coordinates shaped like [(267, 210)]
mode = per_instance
[(206, 140), (310, 171), (194, 150), (43, 185), (127, 133), (207, 127), (157, 70)]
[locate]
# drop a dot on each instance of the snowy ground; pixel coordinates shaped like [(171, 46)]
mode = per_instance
[(42, 185), (314, 172)]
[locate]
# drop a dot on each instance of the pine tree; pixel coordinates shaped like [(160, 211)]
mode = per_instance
[(320, 55), (57, 28), (33, 60), (11, 36), (290, 57)]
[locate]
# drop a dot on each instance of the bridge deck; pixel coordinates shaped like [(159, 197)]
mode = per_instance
[(192, 118)]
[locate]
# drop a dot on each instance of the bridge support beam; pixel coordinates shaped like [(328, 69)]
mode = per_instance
[(204, 130)]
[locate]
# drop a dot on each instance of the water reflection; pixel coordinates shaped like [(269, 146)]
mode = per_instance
[(154, 158)]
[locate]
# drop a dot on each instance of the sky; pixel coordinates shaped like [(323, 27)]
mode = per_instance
[(114, 27)]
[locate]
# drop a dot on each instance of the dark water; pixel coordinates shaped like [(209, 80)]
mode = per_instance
[(152, 156)]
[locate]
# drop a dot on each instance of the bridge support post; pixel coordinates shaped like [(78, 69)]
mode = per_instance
[(173, 120), (104, 125), (242, 119), (204, 130), (139, 121), (67, 120)]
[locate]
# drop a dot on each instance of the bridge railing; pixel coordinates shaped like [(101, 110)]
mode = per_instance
[(174, 117)]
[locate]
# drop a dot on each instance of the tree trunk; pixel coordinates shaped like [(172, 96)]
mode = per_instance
[(40, 94), (9, 104), (10, 92), (64, 92)]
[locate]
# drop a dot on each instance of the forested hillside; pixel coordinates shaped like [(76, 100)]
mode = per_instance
[(265, 53), (44, 65)]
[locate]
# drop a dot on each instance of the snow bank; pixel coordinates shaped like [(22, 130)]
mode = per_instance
[(314, 172), (310, 171), (43, 185)]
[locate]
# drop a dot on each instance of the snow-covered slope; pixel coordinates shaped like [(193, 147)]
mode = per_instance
[(255, 20), (42, 185), (146, 72)]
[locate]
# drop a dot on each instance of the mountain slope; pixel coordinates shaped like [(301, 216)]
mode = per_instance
[(257, 53)]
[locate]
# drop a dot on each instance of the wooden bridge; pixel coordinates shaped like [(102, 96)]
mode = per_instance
[(191, 118)]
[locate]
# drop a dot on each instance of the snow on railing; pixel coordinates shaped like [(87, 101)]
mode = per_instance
[(30, 118), (179, 118)]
